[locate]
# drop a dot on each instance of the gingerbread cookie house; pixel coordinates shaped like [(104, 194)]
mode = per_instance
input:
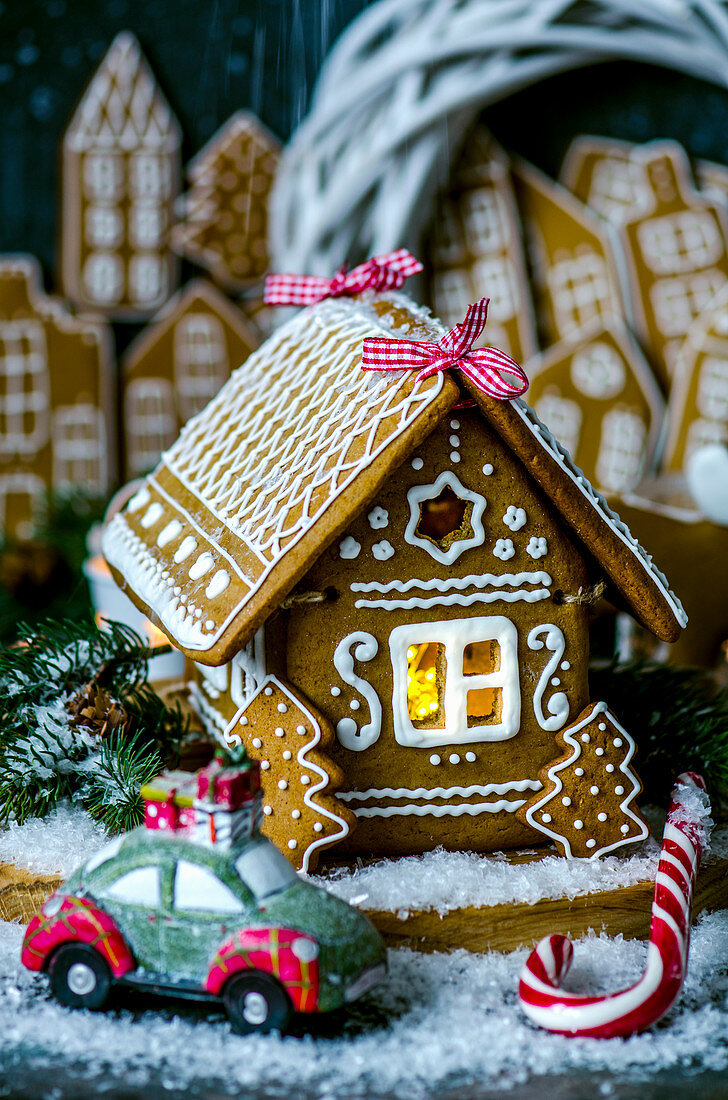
[(56, 428), (176, 365), (356, 551), (121, 175)]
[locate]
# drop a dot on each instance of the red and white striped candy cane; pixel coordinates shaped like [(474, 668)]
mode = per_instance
[(643, 1004)]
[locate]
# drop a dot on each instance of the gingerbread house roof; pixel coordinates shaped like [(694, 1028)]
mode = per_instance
[(122, 105), (292, 448)]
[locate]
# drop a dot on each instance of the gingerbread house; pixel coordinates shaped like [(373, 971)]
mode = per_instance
[(121, 175), (596, 393), (56, 428), (176, 366), (415, 575)]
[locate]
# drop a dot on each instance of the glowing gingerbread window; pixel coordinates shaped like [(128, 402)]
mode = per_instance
[(445, 518), (455, 682)]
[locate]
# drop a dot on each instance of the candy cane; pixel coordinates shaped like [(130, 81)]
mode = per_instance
[(687, 832)]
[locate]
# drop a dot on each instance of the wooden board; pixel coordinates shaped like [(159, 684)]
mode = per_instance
[(506, 927), (490, 928)]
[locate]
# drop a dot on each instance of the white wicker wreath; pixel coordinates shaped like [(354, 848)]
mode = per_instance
[(407, 77)]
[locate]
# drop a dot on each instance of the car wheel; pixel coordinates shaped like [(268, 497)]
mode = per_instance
[(257, 1002), (79, 976)]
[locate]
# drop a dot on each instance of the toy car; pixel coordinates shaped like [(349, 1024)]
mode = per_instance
[(157, 911)]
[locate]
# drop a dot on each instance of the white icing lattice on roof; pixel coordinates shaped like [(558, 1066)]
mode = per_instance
[(293, 427)]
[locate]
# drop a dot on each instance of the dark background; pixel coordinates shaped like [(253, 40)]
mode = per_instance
[(212, 57)]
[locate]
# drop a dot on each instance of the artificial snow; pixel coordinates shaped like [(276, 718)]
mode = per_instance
[(55, 844), (438, 1022)]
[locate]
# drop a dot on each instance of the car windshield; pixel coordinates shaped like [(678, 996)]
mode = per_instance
[(104, 854), (264, 870)]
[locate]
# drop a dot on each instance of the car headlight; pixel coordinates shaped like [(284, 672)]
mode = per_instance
[(52, 905), (304, 949)]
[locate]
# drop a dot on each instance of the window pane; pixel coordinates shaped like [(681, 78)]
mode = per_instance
[(264, 870), (139, 887), (197, 888), (484, 705), (426, 668)]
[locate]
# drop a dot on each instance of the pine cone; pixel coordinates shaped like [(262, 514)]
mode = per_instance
[(96, 710)]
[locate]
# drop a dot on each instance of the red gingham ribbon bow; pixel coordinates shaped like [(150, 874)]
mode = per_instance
[(488, 368), (387, 272)]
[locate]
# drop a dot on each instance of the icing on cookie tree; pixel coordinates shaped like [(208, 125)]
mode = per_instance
[(300, 813), (587, 805), (226, 208)]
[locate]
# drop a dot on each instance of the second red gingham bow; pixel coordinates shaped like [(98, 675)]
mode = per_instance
[(491, 370), (386, 272)]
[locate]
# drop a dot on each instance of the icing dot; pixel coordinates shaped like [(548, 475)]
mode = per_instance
[(488, 470), (454, 758), (349, 548), (257, 742), (168, 533), (209, 624), (354, 704), (218, 584), (565, 665), (590, 843), (295, 814), (264, 765), (602, 726), (282, 708), (279, 731), (300, 729), (617, 742), (578, 771), (434, 759), (282, 785), (186, 547), (601, 817), (378, 517), (619, 789), (546, 818), (585, 738), (624, 828), (470, 757), (287, 754), (454, 424), (152, 515), (269, 691), (203, 565), (268, 810), (454, 441), (417, 463), (555, 681), (609, 768), (383, 550), (318, 827), (335, 691), (243, 721), (599, 751), (578, 824), (593, 790), (566, 801), (305, 779), (292, 843), (454, 456)]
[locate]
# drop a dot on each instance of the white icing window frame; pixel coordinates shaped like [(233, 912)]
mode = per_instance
[(418, 494), (454, 635)]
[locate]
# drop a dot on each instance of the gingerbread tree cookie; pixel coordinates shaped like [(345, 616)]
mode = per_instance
[(289, 738), (225, 212), (586, 806)]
